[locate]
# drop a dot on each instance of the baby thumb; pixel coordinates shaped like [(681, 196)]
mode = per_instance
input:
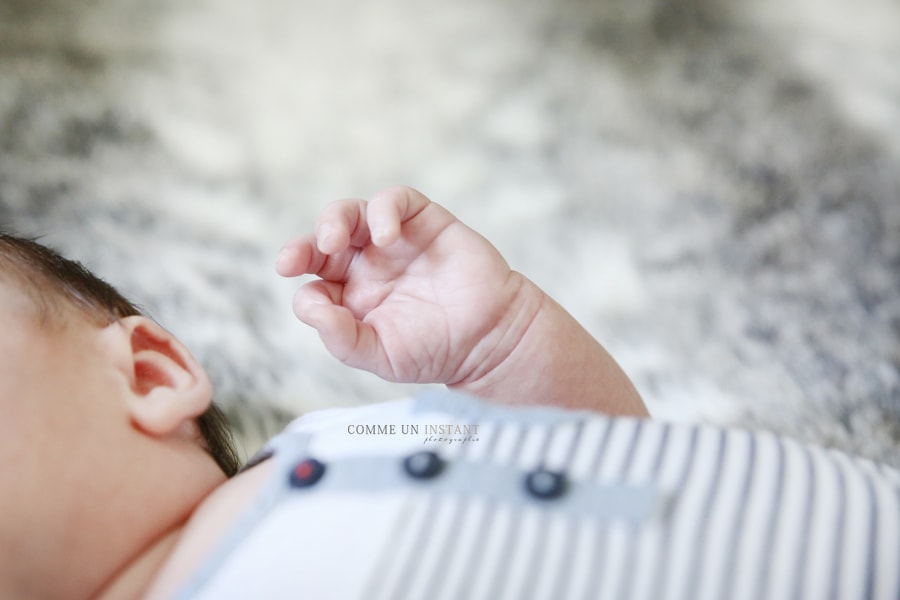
[(337, 328)]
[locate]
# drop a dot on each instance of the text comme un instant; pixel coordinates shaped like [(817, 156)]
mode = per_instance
[(412, 429)]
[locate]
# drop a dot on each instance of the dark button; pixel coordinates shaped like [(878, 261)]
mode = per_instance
[(423, 465), (545, 484), (307, 473)]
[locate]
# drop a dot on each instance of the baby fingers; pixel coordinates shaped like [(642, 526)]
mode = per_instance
[(356, 222), (389, 209), (316, 294), (302, 256), (297, 257), (346, 226), (342, 224), (318, 304)]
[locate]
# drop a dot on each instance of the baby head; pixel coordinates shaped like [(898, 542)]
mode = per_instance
[(108, 437)]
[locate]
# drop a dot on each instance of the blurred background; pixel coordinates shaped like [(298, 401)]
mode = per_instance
[(710, 186)]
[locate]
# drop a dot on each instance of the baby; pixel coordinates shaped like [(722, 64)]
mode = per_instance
[(116, 475)]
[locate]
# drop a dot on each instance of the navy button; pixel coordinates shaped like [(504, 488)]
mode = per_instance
[(423, 465), (307, 473), (545, 484)]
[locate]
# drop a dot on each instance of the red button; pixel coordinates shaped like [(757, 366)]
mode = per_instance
[(307, 473)]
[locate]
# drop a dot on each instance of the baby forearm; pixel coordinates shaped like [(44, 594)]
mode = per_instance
[(555, 361)]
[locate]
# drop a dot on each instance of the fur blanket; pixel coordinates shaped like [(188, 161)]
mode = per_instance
[(711, 187)]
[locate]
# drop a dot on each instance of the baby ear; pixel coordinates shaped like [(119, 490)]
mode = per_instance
[(168, 385)]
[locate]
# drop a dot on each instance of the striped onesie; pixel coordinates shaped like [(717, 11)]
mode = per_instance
[(444, 496)]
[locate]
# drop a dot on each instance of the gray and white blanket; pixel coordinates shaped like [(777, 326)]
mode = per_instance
[(711, 187)]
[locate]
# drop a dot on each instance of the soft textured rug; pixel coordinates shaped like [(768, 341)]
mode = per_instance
[(711, 187)]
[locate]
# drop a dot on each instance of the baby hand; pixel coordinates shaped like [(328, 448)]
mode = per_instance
[(406, 291)]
